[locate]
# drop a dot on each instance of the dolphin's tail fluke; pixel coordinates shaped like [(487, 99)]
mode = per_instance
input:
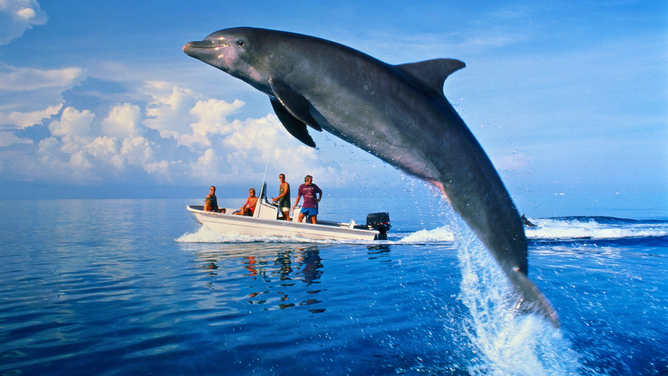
[(532, 299), (511, 255)]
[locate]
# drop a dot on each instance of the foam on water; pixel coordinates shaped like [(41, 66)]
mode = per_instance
[(202, 235), (594, 228), (438, 235), (206, 235), (507, 343)]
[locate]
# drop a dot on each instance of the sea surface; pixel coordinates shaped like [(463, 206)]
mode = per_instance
[(137, 287)]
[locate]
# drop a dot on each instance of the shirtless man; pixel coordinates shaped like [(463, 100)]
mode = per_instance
[(283, 197)]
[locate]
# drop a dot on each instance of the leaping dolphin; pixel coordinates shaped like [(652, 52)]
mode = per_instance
[(395, 112)]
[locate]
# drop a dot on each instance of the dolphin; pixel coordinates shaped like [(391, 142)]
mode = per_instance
[(398, 113)]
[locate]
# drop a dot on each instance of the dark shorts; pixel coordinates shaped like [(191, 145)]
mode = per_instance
[(309, 211)]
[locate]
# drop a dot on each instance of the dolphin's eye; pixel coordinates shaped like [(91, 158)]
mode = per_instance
[(240, 43)]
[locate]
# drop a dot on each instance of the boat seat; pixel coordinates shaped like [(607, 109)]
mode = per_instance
[(351, 224)]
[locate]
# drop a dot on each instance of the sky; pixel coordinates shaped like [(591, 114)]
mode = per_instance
[(569, 99)]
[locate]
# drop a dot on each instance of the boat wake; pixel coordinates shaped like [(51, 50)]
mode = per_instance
[(206, 235), (546, 229)]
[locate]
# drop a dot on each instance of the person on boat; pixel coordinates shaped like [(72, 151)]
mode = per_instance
[(249, 206), (211, 201), (310, 192), (283, 198)]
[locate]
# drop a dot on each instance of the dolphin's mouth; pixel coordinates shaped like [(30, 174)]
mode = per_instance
[(204, 44)]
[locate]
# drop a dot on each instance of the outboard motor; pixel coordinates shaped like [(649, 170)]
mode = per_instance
[(379, 222)]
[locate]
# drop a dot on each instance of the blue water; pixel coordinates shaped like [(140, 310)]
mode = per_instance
[(136, 287)]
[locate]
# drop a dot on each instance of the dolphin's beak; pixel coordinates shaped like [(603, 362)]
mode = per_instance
[(190, 47)]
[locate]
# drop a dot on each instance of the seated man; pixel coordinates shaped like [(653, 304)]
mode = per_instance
[(249, 207), (211, 201)]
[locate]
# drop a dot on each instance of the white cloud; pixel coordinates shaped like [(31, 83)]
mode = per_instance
[(73, 123), (123, 121), (197, 143), (22, 120), (169, 171), (185, 116), (212, 115), (22, 15), (49, 146), (8, 138), (26, 14), (102, 146), (168, 112), (51, 163), (79, 162), (210, 167), (24, 79), (137, 151), (106, 149)]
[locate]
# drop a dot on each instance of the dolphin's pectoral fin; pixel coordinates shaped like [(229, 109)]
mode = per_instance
[(293, 125), (295, 103), (432, 73)]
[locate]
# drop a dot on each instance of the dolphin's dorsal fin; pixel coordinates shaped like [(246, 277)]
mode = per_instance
[(432, 73), (293, 125)]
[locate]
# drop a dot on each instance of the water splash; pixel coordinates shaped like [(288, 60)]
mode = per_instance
[(506, 343)]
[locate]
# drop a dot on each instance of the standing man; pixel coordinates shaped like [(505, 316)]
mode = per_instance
[(283, 197), (309, 191)]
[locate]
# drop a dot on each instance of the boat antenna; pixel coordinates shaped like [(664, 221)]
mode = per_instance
[(264, 178), (264, 182)]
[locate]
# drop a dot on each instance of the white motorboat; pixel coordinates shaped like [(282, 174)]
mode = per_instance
[(267, 221)]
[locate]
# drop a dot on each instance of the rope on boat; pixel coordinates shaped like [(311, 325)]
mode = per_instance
[(195, 218)]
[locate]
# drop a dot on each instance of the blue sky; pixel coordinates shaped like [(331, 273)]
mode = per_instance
[(569, 99)]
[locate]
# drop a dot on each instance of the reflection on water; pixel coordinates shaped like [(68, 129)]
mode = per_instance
[(100, 288), (279, 277), (380, 252)]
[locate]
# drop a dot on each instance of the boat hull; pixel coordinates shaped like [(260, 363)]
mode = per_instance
[(224, 223)]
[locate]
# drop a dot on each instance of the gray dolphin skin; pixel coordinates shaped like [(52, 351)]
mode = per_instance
[(395, 112)]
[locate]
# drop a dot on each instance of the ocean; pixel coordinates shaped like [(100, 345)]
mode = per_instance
[(136, 287)]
